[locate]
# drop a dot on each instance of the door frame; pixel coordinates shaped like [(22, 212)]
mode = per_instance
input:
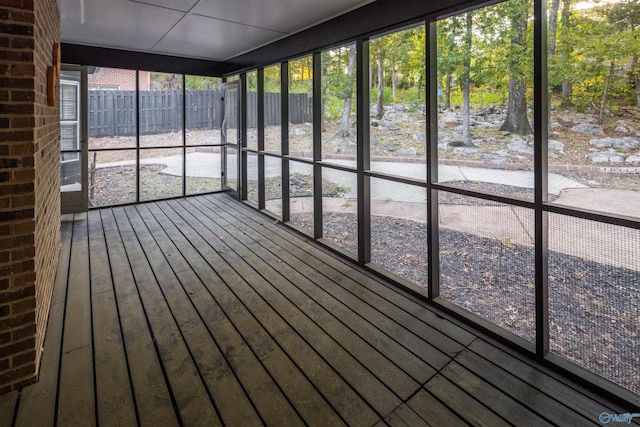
[(77, 201), (235, 192)]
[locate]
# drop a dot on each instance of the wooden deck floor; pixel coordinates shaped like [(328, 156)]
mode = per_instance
[(201, 311)]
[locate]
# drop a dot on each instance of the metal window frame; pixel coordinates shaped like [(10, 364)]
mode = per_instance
[(284, 140)]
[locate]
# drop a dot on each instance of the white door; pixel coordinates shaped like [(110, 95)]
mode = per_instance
[(73, 140)]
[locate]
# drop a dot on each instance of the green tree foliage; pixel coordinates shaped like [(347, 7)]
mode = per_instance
[(202, 83), (598, 54), (272, 79), (397, 62), (625, 17), (301, 75), (338, 85), (488, 51), (167, 81), (252, 81)]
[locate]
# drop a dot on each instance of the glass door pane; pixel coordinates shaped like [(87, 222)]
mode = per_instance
[(231, 135), (73, 156)]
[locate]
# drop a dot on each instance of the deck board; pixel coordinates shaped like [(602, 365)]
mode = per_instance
[(539, 402), (537, 379), (404, 310), (496, 400), (114, 397), (266, 394), (299, 284), (202, 311), (257, 340), (38, 401), (325, 308), (432, 411), (8, 405), (359, 376), (239, 285), (193, 404), (152, 394), (76, 403)]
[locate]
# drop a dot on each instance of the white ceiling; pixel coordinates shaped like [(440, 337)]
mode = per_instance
[(207, 29)]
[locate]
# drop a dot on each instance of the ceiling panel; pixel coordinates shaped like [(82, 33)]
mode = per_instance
[(202, 37), (115, 23), (207, 29), (279, 15), (182, 5)]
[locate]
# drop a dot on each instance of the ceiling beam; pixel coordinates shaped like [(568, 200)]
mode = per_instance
[(115, 58)]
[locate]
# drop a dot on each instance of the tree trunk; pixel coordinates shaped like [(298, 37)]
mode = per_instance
[(466, 107), (393, 80), (440, 91), (606, 90), (567, 90), (567, 87), (517, 120), (636, 78), (566, 12), (553, 25), (345, 116), (380, 97), (447, 92), (323, 122)]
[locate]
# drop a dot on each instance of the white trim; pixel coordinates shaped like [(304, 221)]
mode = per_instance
[(76, 122)]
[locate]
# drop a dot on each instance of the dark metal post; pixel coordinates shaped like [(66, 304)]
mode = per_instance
[(433, 237), (541, 124), (261, 177), (242, 132), (317, 145), (138, 136), (363, 152), (184, 135), (284, 136)]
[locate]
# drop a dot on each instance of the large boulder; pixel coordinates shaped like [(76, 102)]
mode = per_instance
[(466, 150), (624, 127), (555, 145), (624, 143), (450, 117), (606, 157), (407, 152), (588, 129), (389, 125), (519, 145), (633, 159), (419, 136)]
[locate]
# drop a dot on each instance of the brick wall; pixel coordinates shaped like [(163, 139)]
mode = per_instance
[(29, 186), (47, 169)]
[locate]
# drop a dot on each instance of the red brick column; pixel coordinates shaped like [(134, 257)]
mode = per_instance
[(29, 185)]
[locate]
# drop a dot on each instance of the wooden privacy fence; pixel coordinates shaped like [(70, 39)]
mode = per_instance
[(113, 112)]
